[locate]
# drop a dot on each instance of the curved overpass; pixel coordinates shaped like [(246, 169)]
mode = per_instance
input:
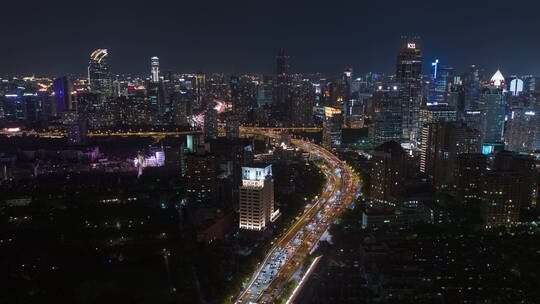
[(285, 258)]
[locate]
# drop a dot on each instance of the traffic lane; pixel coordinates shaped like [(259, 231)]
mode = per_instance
[(287, 238)]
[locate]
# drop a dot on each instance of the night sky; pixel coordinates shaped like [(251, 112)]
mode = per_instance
[(56, 37)]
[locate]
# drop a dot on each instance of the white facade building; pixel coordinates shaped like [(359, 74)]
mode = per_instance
[(256, 206)]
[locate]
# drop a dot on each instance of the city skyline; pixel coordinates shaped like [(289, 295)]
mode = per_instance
[(270, 152), (318, 37)]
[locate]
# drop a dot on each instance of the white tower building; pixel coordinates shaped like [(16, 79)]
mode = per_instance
[(154, 62), (257, 198)]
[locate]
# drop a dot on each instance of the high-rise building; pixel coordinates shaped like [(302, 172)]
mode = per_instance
[(524, 166), (154, 68), (201, 178), (516, 86), (409, 77), (99, 77), (33, 106), (531, 84), (387, 112), (182, 107), (340, 92), (388, 175), (200, 85), (346, 91), (442, 142), (240, 98), (469, 177), (522, 131), (77, 132), (139, 111), (14, 108), (332, 125), (501, 198), (497, 80), (431, 114), (471, 87), (455, 98), (156, 95), (256, 206), (302, 103), (282, 78), (265, 91), (211, 123), (355, 110), (440, 80), (492, 105), (508, 188), (62, 94)]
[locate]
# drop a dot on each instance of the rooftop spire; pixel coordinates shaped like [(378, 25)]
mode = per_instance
[(497, 79)]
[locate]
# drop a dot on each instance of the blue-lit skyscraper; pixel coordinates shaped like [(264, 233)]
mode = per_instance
[(62, 95), (440, 78)]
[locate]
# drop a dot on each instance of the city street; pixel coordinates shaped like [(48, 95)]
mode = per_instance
[(286, 257)]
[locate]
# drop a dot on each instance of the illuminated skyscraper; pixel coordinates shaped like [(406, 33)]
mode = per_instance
[(346, 78), (99, 77), (408, 75), (154, 62), (62, 94), (516, 86), (332, 125), (440, 77), (492, 105), (256, 205), (497, 80)]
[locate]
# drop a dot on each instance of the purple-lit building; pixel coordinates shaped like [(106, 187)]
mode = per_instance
[(62, 94)]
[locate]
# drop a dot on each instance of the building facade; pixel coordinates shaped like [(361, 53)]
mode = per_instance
[(256, 206), (409, 77)]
